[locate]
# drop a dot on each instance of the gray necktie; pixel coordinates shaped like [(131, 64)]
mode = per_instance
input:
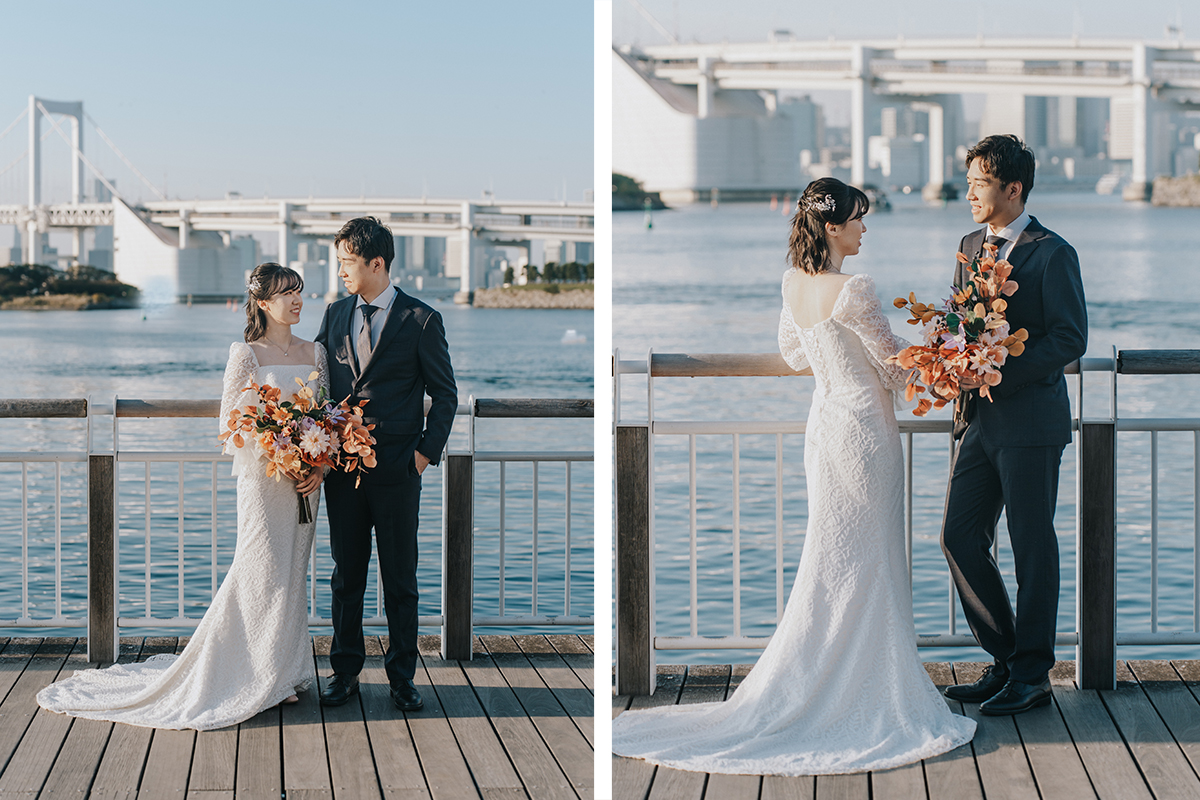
[(999, 242), (363, 345)]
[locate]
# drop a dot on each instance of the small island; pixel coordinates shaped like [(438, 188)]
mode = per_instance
[(568, 285), (37, 287)]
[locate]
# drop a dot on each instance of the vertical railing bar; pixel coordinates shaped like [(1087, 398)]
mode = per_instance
[(950, 576), (1196, 531), (57, 539), (1153, 531), (908, 502), (534, 583), (693, 571), (378, 592), (567, 587), (778, 527), (737, 540), (147, 539), (25, 540), (213, 517), (502, 463), (312, 578), (180, 539)]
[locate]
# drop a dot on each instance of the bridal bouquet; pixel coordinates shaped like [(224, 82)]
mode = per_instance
[(967, 338), (303, 434)]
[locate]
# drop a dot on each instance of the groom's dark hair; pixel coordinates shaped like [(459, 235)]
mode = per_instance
[(369, 238), (1007, 159)]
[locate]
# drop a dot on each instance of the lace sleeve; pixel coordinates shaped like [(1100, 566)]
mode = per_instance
[(322, 368), (239, 372), (858, 309), (790, 346)]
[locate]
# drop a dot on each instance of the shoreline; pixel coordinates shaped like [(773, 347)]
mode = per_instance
[(67, 302), (537, 297)]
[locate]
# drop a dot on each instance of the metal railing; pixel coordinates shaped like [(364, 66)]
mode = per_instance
[(104, 507), (1095, 636)]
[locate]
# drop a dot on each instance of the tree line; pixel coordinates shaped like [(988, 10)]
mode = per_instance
[(552, 272), (32, 280)]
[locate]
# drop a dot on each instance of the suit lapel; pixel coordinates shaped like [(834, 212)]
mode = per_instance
[(1026, 244), (399, 314), (971, 245), (344, 321)]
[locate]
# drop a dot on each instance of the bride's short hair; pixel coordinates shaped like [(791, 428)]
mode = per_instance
[(824, 200), (267, 280)]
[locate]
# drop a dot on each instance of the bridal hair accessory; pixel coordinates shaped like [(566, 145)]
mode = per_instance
[(253, 286), (823, 204), (970, 338)]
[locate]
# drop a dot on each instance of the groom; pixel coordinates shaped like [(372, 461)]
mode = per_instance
[(389, 349), (1009, 452)]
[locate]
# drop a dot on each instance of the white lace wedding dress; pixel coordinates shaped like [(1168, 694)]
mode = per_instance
[(252, 649), (840, 687)]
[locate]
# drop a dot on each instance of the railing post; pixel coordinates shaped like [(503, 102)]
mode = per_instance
[(1095, 666), (102, 560), (458, 557), (635, 570)]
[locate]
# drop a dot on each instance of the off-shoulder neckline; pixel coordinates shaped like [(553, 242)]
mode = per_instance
[(258, 365)]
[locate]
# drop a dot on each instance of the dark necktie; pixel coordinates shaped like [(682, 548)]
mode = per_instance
[(363, 344), (999, 242)]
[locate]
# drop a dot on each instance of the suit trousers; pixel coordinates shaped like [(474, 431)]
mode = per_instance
[(1024, 481), (392, 510)]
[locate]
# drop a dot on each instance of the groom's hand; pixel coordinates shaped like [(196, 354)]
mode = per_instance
[(311, 482), (421, 461)]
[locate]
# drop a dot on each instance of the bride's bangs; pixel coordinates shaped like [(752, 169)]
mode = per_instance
[(285, 280), (862, 203)]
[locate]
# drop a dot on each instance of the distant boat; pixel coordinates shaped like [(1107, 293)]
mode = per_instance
[(573, 336)]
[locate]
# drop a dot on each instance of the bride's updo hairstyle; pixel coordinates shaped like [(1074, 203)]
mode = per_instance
[(825, 200), (267, 280)]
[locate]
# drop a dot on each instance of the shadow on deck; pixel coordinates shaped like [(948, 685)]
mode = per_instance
[(1141, 740), (514, 722)]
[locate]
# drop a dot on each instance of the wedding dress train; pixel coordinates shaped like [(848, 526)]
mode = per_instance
[(840, 687), (252, 649)]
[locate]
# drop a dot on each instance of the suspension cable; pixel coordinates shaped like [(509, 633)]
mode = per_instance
[(81, 156), (20, 117), (121, 155), (20, 158)]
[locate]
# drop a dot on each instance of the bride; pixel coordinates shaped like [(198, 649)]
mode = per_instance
[(840, 687), (251, 650)]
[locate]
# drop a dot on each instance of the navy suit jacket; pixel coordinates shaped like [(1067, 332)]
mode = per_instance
[(1031, 407), (410, 361)]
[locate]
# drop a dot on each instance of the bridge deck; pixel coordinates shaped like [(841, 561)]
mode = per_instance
[(514, 722), (1141, 740)]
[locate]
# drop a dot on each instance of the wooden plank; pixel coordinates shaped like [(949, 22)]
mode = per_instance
[(1158, 362), (951, 775), (843, 787), (777, 787), (131, 407), (305, 761), (999, 756), (396, 760), (20, 704), (1097, 556), (576, 697), (706, 365), (527, 408), (351, 766), (453, 729), (102, 560), (34, 757), (563, 736), (1111, 768), (574, 652), (169, 761), (900, 783), (259, 760), (635, 655), (1174, 703), (1162, 763), (458, 586), (734, 787), (121, 766), (631, 777), (71, 408), (703, 684), (1055, 762), (214, 761), (540, 772)]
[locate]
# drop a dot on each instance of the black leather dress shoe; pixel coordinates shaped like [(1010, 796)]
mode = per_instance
[(1016, 698), (990, 682), (339, 689), (406, 697)]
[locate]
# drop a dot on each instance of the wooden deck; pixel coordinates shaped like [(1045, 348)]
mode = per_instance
[(514, 722), (1139, 741)]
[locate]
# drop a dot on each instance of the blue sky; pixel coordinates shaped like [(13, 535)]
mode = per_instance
[(381, 98)]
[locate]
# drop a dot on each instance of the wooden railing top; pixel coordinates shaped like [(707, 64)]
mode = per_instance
[(716, 365), (38, 408)]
